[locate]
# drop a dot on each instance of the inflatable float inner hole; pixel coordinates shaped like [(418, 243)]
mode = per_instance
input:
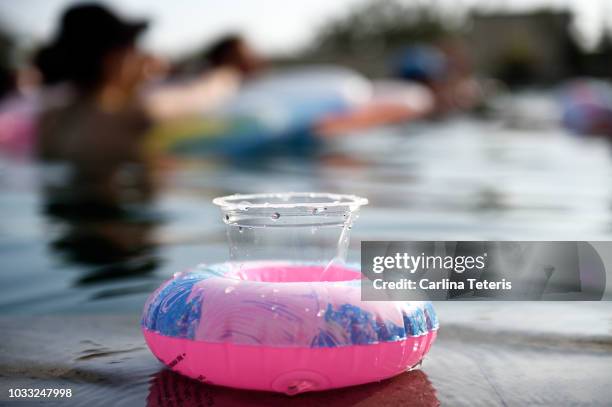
[(279, 273)]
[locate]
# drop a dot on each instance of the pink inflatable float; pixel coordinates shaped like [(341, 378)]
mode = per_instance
[(285, 326)]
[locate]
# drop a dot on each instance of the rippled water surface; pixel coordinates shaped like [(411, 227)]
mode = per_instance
[(69, 314)]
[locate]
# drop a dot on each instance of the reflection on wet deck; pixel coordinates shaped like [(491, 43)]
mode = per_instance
[(103, 360)]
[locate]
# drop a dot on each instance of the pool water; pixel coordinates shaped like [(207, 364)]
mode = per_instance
[(72, 291)]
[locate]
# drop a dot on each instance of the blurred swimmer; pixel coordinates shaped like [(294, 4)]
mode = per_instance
[(90, 137), (234, 52), (445, 68), (227, 63)]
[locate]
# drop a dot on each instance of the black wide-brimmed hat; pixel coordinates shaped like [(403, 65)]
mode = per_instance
[(87, 33)]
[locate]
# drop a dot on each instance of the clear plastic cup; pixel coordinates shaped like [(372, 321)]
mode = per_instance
[(296, 227)]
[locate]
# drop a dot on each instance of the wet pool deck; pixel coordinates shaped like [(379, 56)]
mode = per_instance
[(489, 354)]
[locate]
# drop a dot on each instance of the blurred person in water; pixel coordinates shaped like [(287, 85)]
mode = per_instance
[(234, 52), (91, 135), (212, 81), (97, 178), (445, 68)]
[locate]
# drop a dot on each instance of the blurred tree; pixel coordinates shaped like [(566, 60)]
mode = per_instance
[(383, 23), (374, 30), (7, 79), (598, 62), (525, 48)]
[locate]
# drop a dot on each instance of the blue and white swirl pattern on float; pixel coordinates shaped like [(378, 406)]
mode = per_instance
[(213, 304)]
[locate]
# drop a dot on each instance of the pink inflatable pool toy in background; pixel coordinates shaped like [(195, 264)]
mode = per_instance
[(285, 314)]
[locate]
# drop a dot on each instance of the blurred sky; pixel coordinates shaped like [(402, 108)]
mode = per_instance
[(273, 26)]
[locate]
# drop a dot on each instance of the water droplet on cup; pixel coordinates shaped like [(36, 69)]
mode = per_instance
[(318, 211), (229, 289), (275, 215), (240, 230)]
